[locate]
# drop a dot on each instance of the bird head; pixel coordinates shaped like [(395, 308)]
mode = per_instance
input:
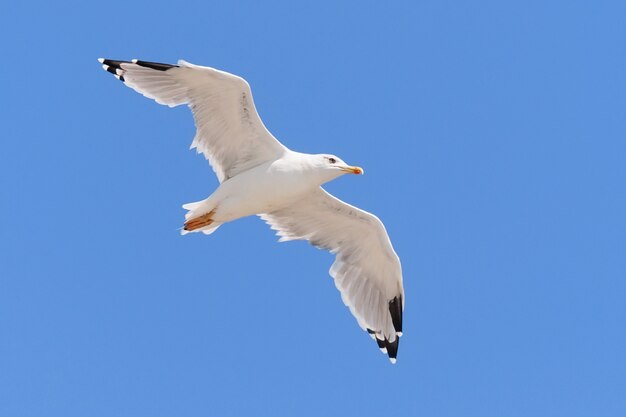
[(331, 166)]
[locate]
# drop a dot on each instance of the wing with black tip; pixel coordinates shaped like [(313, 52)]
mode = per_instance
[(229, 133), (366, 271)]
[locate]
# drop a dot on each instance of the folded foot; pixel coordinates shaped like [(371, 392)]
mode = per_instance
[(199, 222)]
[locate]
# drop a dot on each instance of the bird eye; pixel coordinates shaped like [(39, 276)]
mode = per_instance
[(332, 160)]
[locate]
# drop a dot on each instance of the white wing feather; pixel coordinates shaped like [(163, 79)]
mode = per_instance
[(229, 133), (366, 271)]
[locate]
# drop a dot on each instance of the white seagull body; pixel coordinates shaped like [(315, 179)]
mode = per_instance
[(260, 176)]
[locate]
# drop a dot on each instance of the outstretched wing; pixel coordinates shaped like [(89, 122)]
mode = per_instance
[(366, 271), (230, 132)]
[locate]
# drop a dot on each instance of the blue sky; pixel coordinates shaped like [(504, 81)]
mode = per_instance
[(494, 144)]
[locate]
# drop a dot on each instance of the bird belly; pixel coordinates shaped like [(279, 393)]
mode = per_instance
[(260, 190)]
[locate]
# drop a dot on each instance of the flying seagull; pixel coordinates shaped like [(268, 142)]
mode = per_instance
[(258, 175)]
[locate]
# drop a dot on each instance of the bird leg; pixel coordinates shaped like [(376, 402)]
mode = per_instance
[(199, 222)]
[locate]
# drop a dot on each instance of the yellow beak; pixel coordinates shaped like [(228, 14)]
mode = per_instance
[(353, 170)]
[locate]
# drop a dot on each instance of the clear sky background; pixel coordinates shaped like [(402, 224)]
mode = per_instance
[(493, 136)]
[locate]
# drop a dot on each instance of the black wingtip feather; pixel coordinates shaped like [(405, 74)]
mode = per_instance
[(155, 65), (392, 348), (114, 64), (111, 63), (381, 343), (395, 309)]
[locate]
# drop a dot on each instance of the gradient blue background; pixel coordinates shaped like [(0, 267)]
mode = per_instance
[(493, 137)]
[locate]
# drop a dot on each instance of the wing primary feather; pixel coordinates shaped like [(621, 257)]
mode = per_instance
[(155, 65), (381, 345), (114, 67), (395, 309), (392, 349), (113, 63)]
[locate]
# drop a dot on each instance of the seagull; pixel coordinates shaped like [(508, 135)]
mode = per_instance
[(258, 175)]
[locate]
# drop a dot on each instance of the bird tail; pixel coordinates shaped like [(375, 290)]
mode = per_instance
[(199, 218)]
